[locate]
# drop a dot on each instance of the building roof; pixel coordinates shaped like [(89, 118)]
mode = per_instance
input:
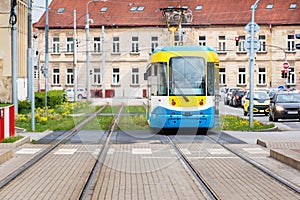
[(139, 13)]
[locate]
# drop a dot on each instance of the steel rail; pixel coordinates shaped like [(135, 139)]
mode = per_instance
[(260, 167), (193, 171), (101, 156)]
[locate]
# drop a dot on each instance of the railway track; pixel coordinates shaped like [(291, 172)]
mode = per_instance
[(101, 156), (55, 144), (201, 177)]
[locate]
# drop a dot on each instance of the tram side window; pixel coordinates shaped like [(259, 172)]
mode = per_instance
[(210, 79), (158, 79), (162, 80)]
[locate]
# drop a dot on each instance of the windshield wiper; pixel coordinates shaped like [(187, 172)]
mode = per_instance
[(181, 93)]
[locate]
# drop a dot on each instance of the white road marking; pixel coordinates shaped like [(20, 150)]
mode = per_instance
[(28, 151)]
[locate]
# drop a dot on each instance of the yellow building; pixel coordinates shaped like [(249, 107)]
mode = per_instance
[(6, 50)]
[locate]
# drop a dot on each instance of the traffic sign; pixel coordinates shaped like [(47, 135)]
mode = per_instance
[(280, 87), (286, 65), (248, 27), (256, 44)]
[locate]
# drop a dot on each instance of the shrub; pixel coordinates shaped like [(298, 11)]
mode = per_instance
[(24, 106)]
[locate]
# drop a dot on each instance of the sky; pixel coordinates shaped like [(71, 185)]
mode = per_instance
[(38, 8)]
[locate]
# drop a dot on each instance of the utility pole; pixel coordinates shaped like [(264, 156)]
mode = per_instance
[(14, 53), (75, 58), (30, 67), (46, 67), (251, 63), (103, 64)]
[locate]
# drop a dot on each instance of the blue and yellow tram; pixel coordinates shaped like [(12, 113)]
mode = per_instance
[(183, 87)]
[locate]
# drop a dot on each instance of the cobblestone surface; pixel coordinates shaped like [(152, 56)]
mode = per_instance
[(144, 172), (60, 175), (233, 178)]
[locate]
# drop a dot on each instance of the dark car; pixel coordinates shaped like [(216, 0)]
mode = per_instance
[(236, 97), (285, 105), (227, 96)]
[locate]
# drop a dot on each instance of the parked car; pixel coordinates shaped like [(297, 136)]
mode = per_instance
[(81, 93), (236, 97), (227, 96), (285, 105), (261, 103), (223, 91)]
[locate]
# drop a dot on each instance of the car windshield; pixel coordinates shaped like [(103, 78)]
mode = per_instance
[(288, 98), (260, 95)]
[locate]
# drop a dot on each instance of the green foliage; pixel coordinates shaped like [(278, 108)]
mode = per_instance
[(24, 106), (54, 97), (4, 104), (99, 123), (12, 139), (235, 123)]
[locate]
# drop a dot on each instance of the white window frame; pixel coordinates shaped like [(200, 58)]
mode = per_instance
[(290, 44), (177, 40), (135, 76), (55, 76), (69, 76), (70, 45), (55, 45), (97, 76), (116, 76), (241, 76), (135, 44), (116, 45), (263, 42), (202, 40), (262, 76), (241, 44), (222, 76), (97, 44), (154, 42), (222, 43)]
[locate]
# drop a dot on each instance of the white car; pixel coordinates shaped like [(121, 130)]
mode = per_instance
[(81, 93)]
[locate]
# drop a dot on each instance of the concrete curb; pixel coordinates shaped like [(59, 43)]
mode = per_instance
[(286, 156), (16, 144)]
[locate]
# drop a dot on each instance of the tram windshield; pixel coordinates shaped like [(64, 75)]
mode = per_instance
[(187, 76)]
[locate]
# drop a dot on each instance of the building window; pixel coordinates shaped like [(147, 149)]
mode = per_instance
[(241, 43), (97, 75), (242, 76), (116, 45), (116, 76), (55, 45), (262, 76), (290, 43), (135, 44), (96, 44), (135, 76), (154, 43), (291, 80), (70, 45), (222, 76), (70, 77), (55, 77), (222, 43), (178, 41), (202, 40), (262, 41)]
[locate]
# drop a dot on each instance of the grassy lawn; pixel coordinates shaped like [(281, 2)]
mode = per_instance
[(231, 122), (63, 118)]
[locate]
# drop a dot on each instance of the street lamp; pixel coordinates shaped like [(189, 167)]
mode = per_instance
[(87, 31)]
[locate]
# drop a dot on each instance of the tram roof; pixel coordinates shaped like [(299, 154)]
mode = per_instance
[(183, 48)]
